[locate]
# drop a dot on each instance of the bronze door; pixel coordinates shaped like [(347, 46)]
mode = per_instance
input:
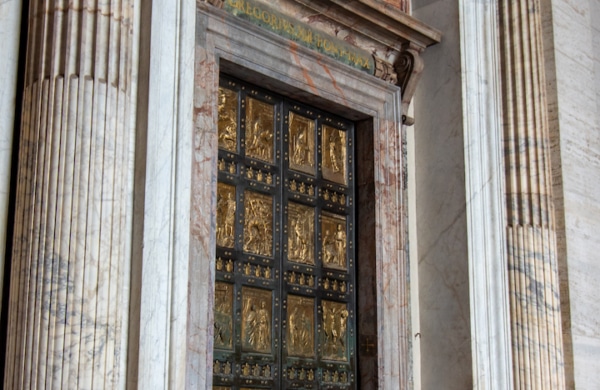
[(284, 312)]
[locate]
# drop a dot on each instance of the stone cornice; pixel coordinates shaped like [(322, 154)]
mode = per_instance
[(394, 38), (380, 22), (403, 36)]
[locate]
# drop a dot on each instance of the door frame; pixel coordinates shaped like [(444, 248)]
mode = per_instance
[(227, 44)]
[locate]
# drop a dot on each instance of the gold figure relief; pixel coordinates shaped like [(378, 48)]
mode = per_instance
[(333, 230), (301, 325), (284, 305), (226, 207), (227, 123), (334, 155), (301, 233), (259, 130), (223, 326), (302, 144), (256, 320), (258, 223), (335, 324)]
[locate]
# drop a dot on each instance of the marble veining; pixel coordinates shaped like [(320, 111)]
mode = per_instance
[(575, 51), (69, 296), (534, 288), (243, 51)]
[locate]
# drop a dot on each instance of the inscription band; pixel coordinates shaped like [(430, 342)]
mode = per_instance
[(301, 33)]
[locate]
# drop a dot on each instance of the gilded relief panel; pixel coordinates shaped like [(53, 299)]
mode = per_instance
[(335, 155), (259, 130), (333, 338), (256, 320), (301, 233), (334, 243), (223, 314), (258, 223), (301, 326), (226, 208), (284, 287), (228, 114), (302, 144)]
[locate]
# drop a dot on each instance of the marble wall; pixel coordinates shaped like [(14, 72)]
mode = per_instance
[(572, 67), (574, 46), (441, 220)]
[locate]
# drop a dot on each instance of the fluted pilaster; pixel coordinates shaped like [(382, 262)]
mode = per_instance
[(531, 236), (69, 296)]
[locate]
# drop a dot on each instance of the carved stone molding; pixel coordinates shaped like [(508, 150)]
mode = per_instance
[(385, 71), (402, 36), (216, 3), (392, 37), (408, 68), (405, 73)]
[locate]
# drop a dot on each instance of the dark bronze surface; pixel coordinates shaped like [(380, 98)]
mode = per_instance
[(284, 291)]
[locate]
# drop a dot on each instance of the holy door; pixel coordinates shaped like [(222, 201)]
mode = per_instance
[(284, 313)]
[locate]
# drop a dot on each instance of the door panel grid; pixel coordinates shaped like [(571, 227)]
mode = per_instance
[(284, 312)]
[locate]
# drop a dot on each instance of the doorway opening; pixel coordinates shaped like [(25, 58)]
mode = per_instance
[(285, 291)]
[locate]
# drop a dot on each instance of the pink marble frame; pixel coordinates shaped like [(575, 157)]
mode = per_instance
[(224, 42)]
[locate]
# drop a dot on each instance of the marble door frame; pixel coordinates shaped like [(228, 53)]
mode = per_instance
[(225, 43)]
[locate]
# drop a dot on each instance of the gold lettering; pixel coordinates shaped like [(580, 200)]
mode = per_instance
[(359, 61), (306, 35), (299, 32), (309, 36), (256, 12), (265, 16), (289, 27), (273, 21), (319, 41), (236, 4), (335, 50)]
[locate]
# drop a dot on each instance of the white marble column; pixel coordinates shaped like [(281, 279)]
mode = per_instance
[(167, 350), (538, 361), (69, 297), (484, 181)]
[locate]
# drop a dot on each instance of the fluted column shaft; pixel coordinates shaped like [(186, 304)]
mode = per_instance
[(69, 296), (531, 236)]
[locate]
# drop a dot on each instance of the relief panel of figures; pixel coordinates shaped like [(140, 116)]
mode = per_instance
[(284, 294)]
